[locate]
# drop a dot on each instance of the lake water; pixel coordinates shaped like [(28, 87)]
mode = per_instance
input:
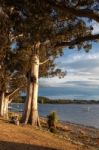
[(85, 114)]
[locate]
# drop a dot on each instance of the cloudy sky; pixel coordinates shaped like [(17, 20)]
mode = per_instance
[(82, 79)]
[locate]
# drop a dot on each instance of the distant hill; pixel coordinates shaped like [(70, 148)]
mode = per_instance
[(45, 100)]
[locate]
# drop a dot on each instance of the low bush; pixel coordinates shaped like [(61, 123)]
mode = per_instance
[(52, 121)]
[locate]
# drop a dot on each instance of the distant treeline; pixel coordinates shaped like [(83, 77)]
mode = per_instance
[(45, 100)]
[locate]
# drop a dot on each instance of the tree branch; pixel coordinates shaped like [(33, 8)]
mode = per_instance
[(77, 41), (10, 100), (88, 13), (41, 63), (14, 92), (11, 94)]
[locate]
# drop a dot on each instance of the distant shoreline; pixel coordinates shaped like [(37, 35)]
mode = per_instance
[(46, 100)]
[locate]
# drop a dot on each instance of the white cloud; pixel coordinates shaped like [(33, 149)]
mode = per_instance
[(79, 57), (82, 71), (95, 27)]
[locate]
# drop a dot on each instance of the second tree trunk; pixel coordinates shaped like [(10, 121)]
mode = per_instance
[(31, 107)]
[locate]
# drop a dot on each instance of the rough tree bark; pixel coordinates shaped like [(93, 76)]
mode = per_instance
[(31, 106), (2, 97), (5, 107), (34, 117), (27, 107), (5, 99)]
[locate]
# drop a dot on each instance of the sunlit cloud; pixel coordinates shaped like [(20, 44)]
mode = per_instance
[(95, 27)]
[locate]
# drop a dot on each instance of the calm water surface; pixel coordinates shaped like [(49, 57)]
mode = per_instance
[(76, 113)]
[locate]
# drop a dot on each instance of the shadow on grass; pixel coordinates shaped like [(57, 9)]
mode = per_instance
[(5, 145)]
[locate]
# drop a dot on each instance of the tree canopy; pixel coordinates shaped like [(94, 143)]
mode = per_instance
[(51, 24)]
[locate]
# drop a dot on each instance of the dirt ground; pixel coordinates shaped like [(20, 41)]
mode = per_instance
[(14, 137)]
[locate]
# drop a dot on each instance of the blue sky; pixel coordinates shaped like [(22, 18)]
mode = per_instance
[(82, 79)]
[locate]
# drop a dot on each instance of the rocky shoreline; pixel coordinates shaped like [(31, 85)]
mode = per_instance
[(76, 133)]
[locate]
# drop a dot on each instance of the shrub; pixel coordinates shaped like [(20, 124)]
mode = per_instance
[(14, 120), (53, 130), (52, 120)]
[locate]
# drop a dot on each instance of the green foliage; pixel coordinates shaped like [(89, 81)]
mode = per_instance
[(40, 21), (53, 130)]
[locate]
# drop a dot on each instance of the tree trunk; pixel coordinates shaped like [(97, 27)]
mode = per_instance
[(31, 106), (34, 117), (4, 102), (5, 108), (27, 107), (2, 97), (4, 105)]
